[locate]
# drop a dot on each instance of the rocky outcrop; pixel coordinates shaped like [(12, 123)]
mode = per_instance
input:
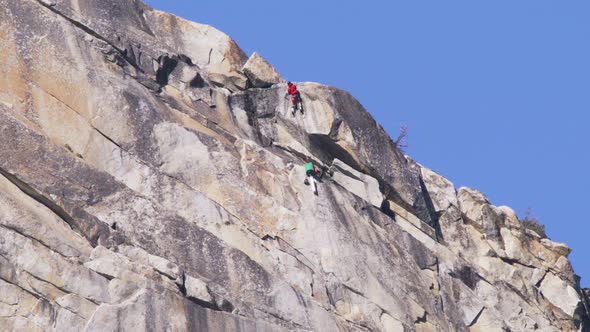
[(261, 73), (152, 179), (361, 185)]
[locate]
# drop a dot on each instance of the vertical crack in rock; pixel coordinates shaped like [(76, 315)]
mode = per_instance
[(165, 169), (431, 210)]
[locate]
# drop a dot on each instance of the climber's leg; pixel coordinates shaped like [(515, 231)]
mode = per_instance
[(299, 103), (314, 184), (294, 105)]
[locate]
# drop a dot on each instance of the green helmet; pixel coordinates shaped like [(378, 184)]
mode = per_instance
[(308, 167)]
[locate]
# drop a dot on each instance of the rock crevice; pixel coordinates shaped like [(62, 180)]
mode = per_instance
[(150, 166)]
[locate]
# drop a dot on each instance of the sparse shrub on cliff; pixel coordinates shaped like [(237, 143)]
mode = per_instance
[(401, 140), (531, 222)]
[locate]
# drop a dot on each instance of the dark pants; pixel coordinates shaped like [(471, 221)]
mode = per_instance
[(296, 101)]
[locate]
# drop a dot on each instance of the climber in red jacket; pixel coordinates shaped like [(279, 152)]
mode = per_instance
[(295, 98)]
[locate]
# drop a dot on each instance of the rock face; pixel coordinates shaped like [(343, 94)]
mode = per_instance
[(151, 178), (261, 73)]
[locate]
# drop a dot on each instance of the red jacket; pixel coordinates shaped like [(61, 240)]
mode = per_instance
[(292, 90)]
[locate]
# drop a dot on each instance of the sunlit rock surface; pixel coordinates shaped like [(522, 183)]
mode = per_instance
[(151, 178)]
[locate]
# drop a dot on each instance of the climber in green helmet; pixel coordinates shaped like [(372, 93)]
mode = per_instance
[(313, 174)]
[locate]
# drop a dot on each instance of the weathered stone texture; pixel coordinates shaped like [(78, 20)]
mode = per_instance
[(151, 178), (261, 73)]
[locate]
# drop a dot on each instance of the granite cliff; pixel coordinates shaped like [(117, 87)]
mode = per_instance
[(151, 178)]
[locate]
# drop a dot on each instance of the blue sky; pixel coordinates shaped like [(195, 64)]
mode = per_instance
[(496, 94)]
